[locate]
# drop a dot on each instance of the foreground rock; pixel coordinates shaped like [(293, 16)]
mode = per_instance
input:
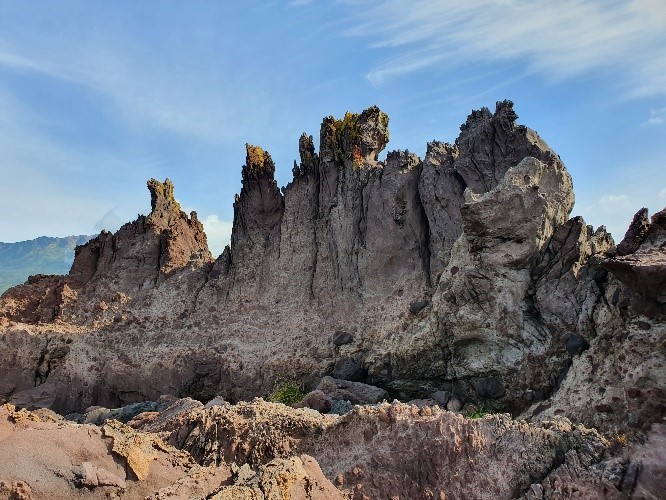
[(55, 459), (264, 450)]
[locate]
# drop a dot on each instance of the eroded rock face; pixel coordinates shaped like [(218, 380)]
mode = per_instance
[(460, 273), (388, 450), (641, 260), (115, 271)]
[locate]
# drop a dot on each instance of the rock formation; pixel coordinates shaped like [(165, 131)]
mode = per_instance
[(260, 450), (459, 276)]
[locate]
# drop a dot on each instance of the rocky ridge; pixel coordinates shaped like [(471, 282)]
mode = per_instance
[(459, 274)]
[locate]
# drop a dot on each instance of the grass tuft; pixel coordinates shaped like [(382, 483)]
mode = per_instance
[(286, 392)]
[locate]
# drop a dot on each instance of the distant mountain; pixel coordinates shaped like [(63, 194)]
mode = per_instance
[(43, 255)]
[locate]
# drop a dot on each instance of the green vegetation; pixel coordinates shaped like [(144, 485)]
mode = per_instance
[(286, 392), (478, 411), (348, 123)]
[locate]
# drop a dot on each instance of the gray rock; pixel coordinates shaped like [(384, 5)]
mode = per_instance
[(576, 344), (454, 404), (441, 397), (355, 392), (341, 338), (340, 407), (636, 234), (216, 401), (422, 403), (480, 227), (418, 305), (350, 368)]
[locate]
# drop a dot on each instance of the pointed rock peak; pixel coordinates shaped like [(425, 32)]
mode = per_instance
[(504, 115), (358, 137), (636, 234), (309, 158), (161, 196), (258, 164)]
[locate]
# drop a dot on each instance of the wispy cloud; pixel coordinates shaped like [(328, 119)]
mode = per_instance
[(612, 203), (213, 101), (557, 40), (657, 117)]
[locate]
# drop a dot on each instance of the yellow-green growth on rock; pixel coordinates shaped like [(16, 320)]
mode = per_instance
[(161, 194), (255, 157), (347, 126), (258, 163)]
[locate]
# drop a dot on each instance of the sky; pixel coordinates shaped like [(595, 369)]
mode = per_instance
[(98, 97)]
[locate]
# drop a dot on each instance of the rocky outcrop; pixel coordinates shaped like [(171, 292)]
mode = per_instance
[(641, 260), (297, 478), (52, 458), (265, 450), (616, 380), (116, 268), (394, 450), (460, 273)]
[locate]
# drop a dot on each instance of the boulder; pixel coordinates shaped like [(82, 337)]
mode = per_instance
[(354, 392)]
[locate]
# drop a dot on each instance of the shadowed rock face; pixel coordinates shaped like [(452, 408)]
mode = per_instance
[(641, 263), (460, 272)]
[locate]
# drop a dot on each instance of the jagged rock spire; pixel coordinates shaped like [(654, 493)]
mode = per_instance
[(258, 164)]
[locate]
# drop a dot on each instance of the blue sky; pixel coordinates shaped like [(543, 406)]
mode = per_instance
[(98, 97)]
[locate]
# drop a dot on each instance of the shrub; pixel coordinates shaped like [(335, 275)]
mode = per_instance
[(286, 392), (478, 411)]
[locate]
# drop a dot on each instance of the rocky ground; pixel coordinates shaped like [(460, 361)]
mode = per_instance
[(457, 282), (258, 450)]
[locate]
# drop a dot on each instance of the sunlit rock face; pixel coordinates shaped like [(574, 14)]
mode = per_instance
[(460, 272)]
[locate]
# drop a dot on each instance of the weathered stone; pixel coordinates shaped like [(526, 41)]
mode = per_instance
[(636, 234), (442, 397), (89, 476), (644, 269), (418, 305), (350, 368), (576, 345), (454, 404), (480, 228), (340, 407), (315, 400), (355, 392), (341, 338)]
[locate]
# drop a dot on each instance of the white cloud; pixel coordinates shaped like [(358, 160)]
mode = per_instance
[(555, 39), (218, 233), (206, 101), (657, 117), (613, 203)]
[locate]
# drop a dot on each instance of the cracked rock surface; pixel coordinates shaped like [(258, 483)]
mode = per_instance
[(461, 273)]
